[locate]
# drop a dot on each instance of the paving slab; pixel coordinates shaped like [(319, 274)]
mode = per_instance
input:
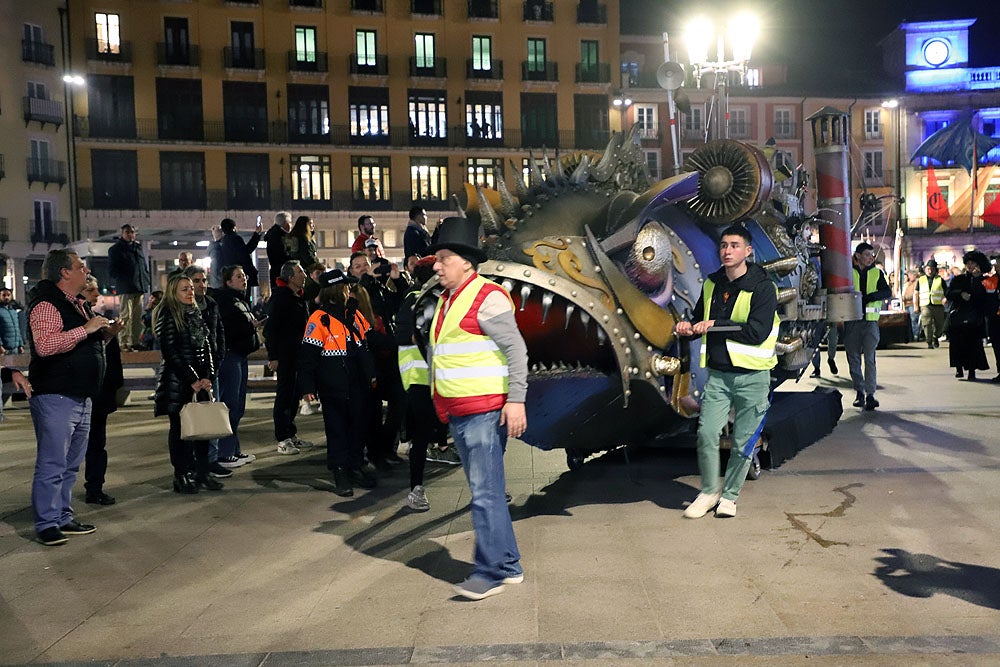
[(871, 547)]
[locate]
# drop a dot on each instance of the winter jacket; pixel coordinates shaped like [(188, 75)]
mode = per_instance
[(286, 321), (77, 372), (216, 332), (274, 241), (10, 329), (183, 363), (302, 250), (334, 361), (128, 268), (240, 332), (754, 331), (236, 251)]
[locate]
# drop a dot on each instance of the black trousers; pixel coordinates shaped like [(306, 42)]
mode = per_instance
[(423, 427), (383, 428), (286, 400), (186, 455), (344, 423), (97, 453)]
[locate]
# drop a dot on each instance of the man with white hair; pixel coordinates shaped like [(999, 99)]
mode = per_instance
[(274, 239)]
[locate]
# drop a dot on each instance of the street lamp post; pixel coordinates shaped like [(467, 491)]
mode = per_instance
[(742, 35)]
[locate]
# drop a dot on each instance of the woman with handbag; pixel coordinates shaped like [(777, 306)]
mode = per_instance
[(186, 369), (967, 303), (241, 340), (335, 365)]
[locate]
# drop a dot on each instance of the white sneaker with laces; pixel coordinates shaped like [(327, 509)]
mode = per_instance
[(701, 505), (416, 500), (247, 458), (287, 446), (726, 509)]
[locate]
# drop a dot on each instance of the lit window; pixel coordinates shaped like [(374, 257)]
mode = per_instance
[(424, 45), (311, 177), (305, 44), (366, 47), (108, 33), (753, 77), (429, 179)]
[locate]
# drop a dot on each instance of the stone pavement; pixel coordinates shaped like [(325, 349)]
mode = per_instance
[(876, 546)]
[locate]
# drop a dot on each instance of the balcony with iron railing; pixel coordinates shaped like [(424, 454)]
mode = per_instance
[(651, 133), (494, 71), (432, 67), (739, 130), (425, 7), (876, 179), (784, 130), (539, 71), (371, 6), (311, 61), (107, 52), (873, 134), (42, 111), (46, 171), (279, 132), (538, 10), (310, 4), (593, 73), (49, 231), (694, 133), (591, 12), (372, 65), (38, 52), (174, 55), (243, 58), (483, 9)]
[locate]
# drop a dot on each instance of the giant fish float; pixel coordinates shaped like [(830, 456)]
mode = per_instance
[(601, 264)]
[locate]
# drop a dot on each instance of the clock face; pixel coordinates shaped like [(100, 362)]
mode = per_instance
[(936, 52)]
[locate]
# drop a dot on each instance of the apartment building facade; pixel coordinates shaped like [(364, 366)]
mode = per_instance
[(202, 109), (37, 210)]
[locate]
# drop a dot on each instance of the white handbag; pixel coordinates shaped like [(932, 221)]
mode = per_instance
[(205, 420)]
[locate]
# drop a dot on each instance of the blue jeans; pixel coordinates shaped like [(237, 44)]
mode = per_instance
[(481, 442), (914, 321), (62, 428), (233, 392)]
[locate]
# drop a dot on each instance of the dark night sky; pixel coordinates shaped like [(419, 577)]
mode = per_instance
[(824, 44)]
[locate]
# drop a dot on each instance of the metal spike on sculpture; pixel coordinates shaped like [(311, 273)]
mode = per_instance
[(508, 207), (519, 191), (491, 221)]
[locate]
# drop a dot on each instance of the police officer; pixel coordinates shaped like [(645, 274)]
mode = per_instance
[(739, 363)]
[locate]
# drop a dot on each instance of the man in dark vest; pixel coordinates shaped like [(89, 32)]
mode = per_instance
[(66, 371)]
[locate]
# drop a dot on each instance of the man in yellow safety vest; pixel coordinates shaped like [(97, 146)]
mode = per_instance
[(739, 295), (930, 300), (479, 380), (861, 337)]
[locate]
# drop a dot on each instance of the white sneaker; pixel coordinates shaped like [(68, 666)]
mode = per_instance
[(287, 446), (516, 579), (231, 462), (247, 458), (306, 409), (701, 505), (726, 509), (302, 444), (416, 500)]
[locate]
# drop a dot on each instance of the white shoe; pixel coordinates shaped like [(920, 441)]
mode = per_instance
[(516, 579), (726, 509), (302, 444), (416, 500), (247, 458), (702, 505), (306, 409), (287, 446)]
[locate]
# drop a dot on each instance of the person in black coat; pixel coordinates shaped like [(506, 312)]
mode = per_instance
[(241, 341), (283, 337), (274, 242), (336, 367), (967, 304), (102, 406), (235, 250), (186, 370)]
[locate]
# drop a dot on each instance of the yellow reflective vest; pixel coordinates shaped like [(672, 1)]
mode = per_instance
[(742, 355), (465, 364), (873, 308), (930, 292)]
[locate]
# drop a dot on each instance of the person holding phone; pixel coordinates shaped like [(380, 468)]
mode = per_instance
[(234, 250)]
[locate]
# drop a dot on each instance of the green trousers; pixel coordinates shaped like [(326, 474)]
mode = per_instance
[(747, 394)]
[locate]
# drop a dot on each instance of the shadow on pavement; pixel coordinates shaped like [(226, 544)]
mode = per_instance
[(923, 575)]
